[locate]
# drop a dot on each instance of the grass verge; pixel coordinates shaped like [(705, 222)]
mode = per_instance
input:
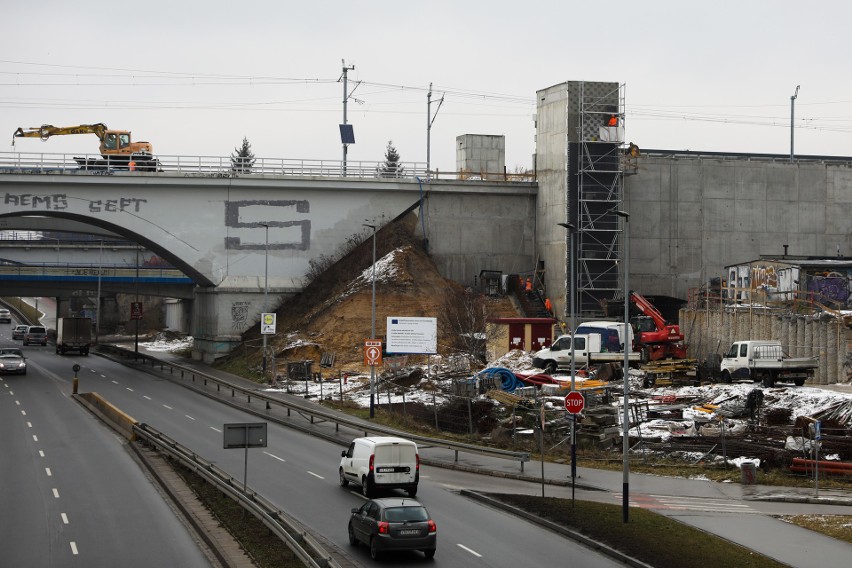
[(835, 526), (266, 549), (654, 539)]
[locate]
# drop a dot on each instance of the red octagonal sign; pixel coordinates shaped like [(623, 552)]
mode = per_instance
[(575, 402)]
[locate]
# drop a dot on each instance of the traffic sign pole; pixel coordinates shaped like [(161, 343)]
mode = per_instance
[(575, 402)]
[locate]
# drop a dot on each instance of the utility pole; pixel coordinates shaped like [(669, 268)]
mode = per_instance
[(792, 115), (343, 128), (429, 121)]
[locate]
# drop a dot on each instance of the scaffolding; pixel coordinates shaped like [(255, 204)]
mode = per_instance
[(595, 192)]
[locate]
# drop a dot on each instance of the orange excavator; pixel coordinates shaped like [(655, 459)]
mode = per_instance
[(659, 338), (117, 149)]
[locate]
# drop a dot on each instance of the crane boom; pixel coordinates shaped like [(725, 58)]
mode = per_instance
[(667, 340)]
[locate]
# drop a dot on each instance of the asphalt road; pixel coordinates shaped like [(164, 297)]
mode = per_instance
[(298, 472), (72, 495)]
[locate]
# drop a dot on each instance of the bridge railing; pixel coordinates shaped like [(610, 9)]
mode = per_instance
[(207, 166)]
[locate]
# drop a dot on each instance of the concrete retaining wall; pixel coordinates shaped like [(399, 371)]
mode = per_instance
[(708, 332)]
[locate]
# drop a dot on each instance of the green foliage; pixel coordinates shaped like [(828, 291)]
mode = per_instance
[(243, 160), (391, 167)]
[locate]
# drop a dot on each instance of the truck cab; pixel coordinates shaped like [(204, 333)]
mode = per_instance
[(765, 360)]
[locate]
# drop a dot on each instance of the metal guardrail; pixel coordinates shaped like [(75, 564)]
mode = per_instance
[(219, 166), (211, 166), (290, 531), (312, 414)]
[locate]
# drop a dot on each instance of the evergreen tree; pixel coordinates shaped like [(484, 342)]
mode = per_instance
[(243, 160), (391, 166)]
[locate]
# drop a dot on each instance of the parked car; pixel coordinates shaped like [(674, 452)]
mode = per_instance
[(393, 523), (5, 315), (35, 334), (13, 363), (19, 330), (381, 462)]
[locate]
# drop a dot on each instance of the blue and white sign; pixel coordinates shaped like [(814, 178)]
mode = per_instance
[(412, 335)]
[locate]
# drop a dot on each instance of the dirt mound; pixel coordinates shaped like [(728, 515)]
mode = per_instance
[(333, 314)]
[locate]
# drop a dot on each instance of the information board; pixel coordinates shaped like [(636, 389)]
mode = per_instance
[(412, 335)]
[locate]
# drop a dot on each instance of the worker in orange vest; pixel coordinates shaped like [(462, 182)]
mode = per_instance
[(529, 284), (131, 165), (613, 121), (548, 306)]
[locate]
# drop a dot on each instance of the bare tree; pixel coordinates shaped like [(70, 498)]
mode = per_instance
[(462, 321)]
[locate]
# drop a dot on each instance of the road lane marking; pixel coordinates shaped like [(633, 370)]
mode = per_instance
[(188, 416), (23, 413), (215, 429), (41, 453), (167, 406), (128, 388), (56, 493), (74, 548), (103, 376), (64, 519), (35, 438), (29, 424), (114, 382), (48, 472), (316, 475), (18, 402), (148, 397), (463, 547), (271, 455)]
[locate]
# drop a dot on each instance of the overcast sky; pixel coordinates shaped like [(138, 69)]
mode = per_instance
[(194, 78)]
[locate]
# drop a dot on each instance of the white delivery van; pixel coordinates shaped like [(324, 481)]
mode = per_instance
[(381, 462)]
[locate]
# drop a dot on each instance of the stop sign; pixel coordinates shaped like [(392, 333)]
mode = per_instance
[(575, 402)]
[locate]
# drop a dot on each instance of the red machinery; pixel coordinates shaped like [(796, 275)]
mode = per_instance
[(661, 339)]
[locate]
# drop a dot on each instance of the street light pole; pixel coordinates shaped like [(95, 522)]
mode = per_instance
[(571, 291), (792, 113), (98, 305), (265, 294), (625, 437), (373, 329)]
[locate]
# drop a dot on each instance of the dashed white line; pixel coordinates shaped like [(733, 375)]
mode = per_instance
[(23, 413), (41, 453), (128, 388), (168, 407), (215, 429), (188, 416), (35, 438), (18, 402), (316, 475), (148, 397), (56, 493), (275, 457), (29, 424), (463, 547), (113, 382), (74, 548), (64, 519), (103, 376), (48, 472)]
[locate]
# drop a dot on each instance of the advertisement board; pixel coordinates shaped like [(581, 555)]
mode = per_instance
[(412, 335)]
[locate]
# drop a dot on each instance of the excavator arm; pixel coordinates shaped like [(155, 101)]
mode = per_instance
[(45, 131), (667, 340)]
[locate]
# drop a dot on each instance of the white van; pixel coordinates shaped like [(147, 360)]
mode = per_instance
[(381, 462)]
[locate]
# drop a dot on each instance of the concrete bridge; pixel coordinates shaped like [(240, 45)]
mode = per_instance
[(234, 236)]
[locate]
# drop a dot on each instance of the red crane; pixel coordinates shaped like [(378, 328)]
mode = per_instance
[(661, 339)]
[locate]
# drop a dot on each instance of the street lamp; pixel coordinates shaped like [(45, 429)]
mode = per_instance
[(98, 305), (571, 291), (265, 293), (373, 328), (627, 346)]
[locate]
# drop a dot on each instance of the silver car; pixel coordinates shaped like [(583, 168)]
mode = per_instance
[(35, 334), (5, 315), (12, 363)]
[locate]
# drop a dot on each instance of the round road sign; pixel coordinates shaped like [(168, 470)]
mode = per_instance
[(575, 402)]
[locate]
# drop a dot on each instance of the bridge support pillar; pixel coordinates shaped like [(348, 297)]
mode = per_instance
[(221, 316)]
